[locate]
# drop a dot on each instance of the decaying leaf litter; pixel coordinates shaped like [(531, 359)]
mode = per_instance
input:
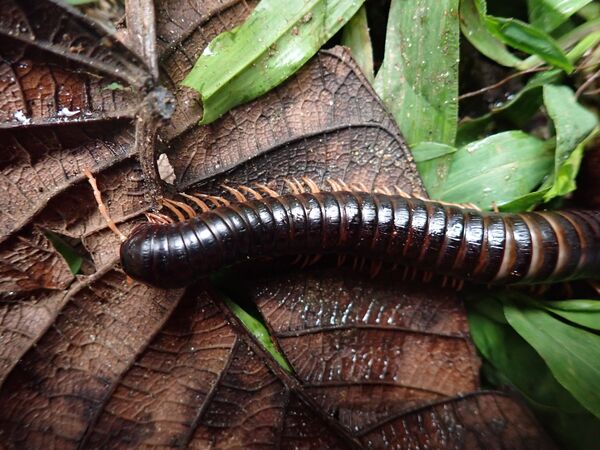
[(99, 343)]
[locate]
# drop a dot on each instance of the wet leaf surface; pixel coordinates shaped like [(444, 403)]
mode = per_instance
[(94, 361), (364, 349)]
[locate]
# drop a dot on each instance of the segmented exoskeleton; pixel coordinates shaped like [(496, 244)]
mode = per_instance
[(493, 248)]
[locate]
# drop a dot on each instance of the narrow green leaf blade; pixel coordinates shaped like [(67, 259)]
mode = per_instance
[(572, 121), (273, 43), (73, 259), (418, 80), (495, 169), (526, 102), (519, 109), (549, 14), (510, 361), (581, 312), (425, 151), (433, 161), (259, 331), (511, 355), (572, 354), (355, 35), (472, 14), (530, 39), (574, 124)]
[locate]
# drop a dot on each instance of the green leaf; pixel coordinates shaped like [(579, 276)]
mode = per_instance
[(572, 121), (521, 107), (433, 160), (73, 259), (114, 86), (425, 151), (564, 178), (571, 353), (581, 312), (529, 39), (574, 125), (355, 35), (511, 355), (590, 12), (259, 331), (518, 110), (495, 169), (272, 44), (510, 361), (473, 26), (418, 80), (549, 14)]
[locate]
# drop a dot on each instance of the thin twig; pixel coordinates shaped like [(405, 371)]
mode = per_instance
[(501, 82), (515, 75), (591, 93), (587, 83)]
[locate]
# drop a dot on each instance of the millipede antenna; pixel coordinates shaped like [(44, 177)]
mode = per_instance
[(101, 206)]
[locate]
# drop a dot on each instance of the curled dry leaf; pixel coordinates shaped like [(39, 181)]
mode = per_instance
[(93, 361)]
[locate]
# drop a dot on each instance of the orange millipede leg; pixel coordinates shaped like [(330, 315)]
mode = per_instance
[(314, 189), (203, 206), (170, 206), (335, 187), (267, 190), (250, 191), (292, 186), (237, 194)]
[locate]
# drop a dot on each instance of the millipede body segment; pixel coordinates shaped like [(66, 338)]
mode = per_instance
[(492, 248)]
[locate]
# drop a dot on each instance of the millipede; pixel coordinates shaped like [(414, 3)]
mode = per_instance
[(382, 226)]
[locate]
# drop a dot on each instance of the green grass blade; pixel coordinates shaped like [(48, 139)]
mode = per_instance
[(259, 331), (355, 35), (581, 312), (426, 151), (510, 361), (473, 27), (518, 110), (73, 259), (529, 39), (418, 80), (273, 43), (572, 121), (433, 161), (495, 169), (549, 14), (571, 353), (574, 125)]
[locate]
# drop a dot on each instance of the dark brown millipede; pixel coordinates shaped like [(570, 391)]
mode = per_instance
[(447, 239)]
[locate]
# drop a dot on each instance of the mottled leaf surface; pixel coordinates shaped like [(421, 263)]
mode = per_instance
[(92, 360)]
